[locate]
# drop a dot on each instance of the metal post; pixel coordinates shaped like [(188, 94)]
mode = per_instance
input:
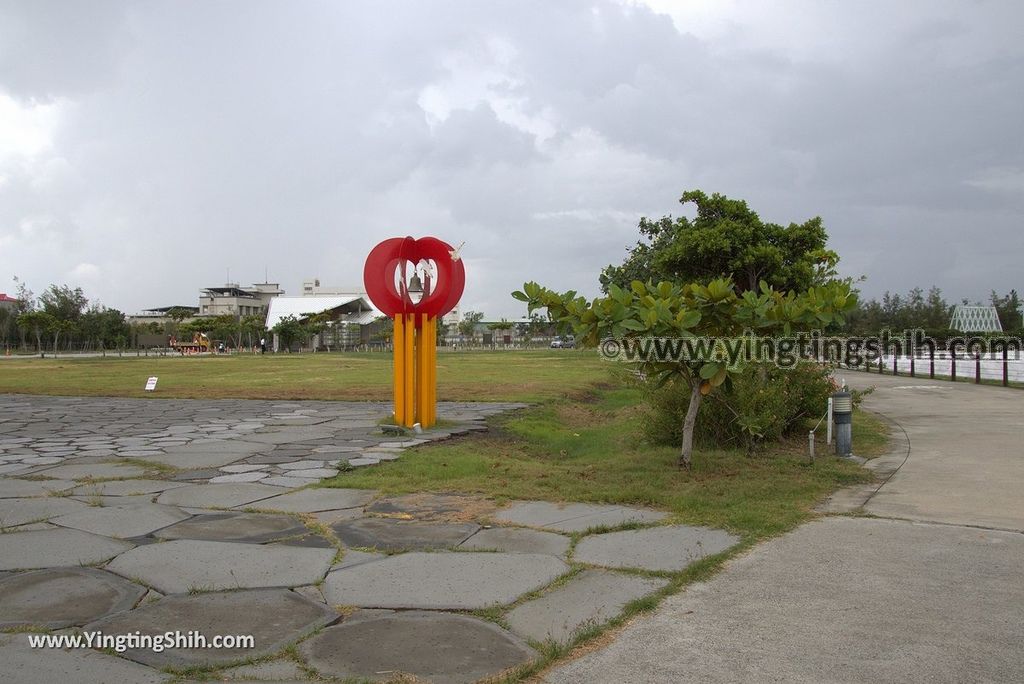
[(913, 353), (895, 368), (1006, 370), (931, 364), (977, 368), (952, 365), (828, 424), (810, 445), (881, 361)]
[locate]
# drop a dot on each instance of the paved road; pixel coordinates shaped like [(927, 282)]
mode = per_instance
[(930, 590)]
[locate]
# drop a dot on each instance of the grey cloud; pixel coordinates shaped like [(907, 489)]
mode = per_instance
[(291, 136)]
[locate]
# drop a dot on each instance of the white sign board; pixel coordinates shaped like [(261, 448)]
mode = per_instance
[(151, 384)]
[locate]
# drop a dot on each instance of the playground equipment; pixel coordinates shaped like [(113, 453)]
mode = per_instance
[(200, 343)]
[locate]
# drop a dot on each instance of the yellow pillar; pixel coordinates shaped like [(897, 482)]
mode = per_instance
[(421, 372), (432, 373), (409, 395), (398, 342), (415, 381)]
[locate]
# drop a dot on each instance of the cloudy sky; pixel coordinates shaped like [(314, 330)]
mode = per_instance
[(149, 149)]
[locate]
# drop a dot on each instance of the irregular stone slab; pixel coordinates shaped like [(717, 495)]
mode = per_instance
[(204, 454), (314, 473), (331, 517), (314, 541), (301, 465), (433, 647), (243, 468), (669, 548), (574, 517), (184, 565), (20, 511), (61, 597), (84, 471), (282, 481), (518, 540), (286, 436), (442, 581), (314, 500), (274, 617), (587, 600), (127, 487), (23, 665), (97, 500), (56, 548), (239, 477), (353, 557), (357, 462), (433, 507), (218, 495), (252, 528), (275, 670), (335, 449), (123, 521), (386, 534)]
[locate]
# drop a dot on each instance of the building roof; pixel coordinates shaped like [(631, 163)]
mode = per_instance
[(230, 292), (165, 309), (5, 298), (281, 307)]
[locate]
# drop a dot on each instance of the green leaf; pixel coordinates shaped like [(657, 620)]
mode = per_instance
[(521, 296), (709, 370), (632, 324)]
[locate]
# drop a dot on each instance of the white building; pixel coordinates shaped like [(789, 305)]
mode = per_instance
[(350, 318)]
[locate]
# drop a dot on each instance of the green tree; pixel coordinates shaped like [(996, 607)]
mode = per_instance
[(1009, 310), (64, 302), (715, 310), (6, 325), (288, 330), (26, 303), (36, 322), (58, 327), (467, 326), (225, 328), (253, 328), (727, 240)]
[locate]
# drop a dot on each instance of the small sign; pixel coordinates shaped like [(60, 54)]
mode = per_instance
[(151, 384)]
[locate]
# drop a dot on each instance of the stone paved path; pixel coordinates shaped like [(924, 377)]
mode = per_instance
[(149, 516)]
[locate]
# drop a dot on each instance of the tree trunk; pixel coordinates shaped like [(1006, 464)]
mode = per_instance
[(689, 421)]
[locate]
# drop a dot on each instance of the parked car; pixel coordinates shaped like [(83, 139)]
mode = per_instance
[(564, 343)]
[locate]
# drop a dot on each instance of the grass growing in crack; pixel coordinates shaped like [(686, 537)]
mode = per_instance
[(26, 629), (155, 466)]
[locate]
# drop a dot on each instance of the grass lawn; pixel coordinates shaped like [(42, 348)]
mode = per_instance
[(468, 376), (587, 447)]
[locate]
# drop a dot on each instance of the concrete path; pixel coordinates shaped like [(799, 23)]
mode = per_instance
[(931, 590)]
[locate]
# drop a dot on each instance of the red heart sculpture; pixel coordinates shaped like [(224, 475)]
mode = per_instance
[(393, 254)]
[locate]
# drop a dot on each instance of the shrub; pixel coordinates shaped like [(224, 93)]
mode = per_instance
[(763, 404)]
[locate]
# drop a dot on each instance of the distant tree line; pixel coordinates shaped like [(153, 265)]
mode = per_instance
[(928, 311), (61, 318)]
